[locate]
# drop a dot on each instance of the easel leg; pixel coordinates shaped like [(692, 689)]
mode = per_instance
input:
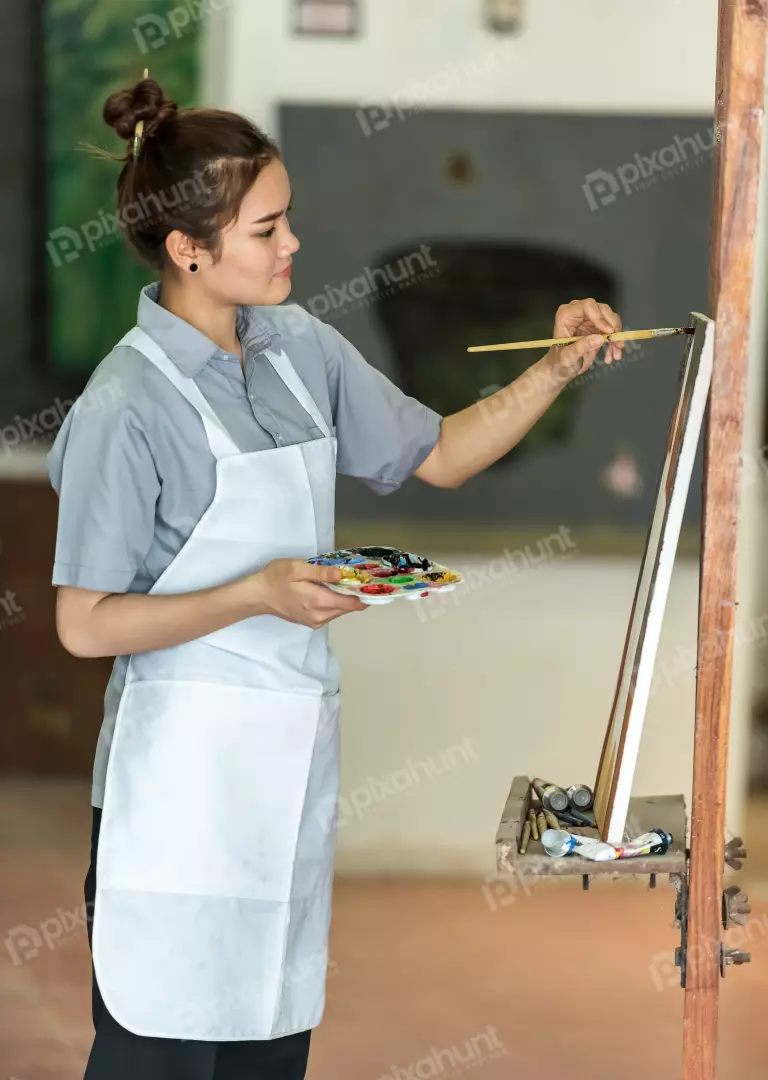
[(740, 91)]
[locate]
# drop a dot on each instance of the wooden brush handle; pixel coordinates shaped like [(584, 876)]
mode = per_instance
[(546, 343)]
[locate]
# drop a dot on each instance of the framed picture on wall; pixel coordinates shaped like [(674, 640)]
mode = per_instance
[(326, 18), (504, 16)]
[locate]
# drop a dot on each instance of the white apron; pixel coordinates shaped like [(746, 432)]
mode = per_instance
[(215, 858)]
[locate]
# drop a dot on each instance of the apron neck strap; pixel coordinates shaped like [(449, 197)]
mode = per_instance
[(220, 441), (288, 374)]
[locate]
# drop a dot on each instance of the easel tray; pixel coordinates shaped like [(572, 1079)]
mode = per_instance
[(645, 812)]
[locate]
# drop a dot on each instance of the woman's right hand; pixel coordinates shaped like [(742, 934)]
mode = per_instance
[(293, 590)]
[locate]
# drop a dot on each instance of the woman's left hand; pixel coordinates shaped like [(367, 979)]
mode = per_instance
[(582, 318)]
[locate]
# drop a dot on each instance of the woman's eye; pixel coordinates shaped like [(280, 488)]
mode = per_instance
[(266, 234)]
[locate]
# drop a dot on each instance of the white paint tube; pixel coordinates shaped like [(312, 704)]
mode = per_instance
[(655, 842), (557, 842)]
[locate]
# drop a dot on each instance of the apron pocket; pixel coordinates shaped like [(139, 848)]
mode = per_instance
[(206, 789)]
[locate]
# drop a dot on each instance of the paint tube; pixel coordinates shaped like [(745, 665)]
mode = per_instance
[(597, 851), (552, 797), (558, 843), (655, 842), (580, 797)]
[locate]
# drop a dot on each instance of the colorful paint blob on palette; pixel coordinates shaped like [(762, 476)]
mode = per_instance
[(379, 575)]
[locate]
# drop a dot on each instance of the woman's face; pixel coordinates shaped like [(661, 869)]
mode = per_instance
[(257, 247)]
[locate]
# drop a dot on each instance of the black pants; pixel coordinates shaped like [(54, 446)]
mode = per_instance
[(118, 1054)]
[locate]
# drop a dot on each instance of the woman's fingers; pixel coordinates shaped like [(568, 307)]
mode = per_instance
[(327, 615), (586, 317), (582, 315), (614, 350), (330, 605), (356, 605), (578, 357), (304, 571), (594, 313)]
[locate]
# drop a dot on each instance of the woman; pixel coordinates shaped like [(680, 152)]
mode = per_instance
[(190, 495)]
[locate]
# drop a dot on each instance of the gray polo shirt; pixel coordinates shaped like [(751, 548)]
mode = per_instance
[(131, 462)]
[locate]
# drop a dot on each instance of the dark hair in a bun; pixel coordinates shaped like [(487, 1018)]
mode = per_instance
[(191, 173), (146, 101)]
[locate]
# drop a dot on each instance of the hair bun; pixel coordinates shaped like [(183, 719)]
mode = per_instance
[(145, 101)]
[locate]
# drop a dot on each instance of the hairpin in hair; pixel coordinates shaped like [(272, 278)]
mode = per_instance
[(139, 129)]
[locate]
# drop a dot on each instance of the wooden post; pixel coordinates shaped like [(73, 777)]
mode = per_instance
[(739, 110)]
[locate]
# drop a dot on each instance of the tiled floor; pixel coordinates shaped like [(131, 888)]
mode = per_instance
[(443, 980)]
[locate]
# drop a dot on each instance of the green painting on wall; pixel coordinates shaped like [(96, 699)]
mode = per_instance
[(92, 48)]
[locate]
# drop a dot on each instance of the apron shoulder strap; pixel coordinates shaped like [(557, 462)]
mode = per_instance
[(220, 441), (290, 377)]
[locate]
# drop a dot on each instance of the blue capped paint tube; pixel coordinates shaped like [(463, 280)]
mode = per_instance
[(557, 842)]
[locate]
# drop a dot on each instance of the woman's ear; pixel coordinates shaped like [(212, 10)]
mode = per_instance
[(182, 251)]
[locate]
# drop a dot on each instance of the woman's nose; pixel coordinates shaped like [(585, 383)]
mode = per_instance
[(290, 243)]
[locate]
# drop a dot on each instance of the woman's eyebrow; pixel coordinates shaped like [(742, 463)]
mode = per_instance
[(271, 217)]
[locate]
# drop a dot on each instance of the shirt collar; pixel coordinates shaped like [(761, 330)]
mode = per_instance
[(190, 349)]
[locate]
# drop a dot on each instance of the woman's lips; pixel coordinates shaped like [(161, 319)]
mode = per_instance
[(286, 272)]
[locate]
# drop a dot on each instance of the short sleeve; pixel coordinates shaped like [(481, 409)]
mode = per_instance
[(383, 435), (103, 471)]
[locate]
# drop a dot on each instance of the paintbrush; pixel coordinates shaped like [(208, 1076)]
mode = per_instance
[(573, 817), (622, 335)]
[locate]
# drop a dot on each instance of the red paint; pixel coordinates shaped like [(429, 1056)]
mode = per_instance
[(378, 590)]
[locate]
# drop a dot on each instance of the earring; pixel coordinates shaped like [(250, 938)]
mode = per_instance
[(193, 268)]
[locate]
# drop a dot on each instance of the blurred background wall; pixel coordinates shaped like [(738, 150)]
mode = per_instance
[(459, 169), (514, 164)]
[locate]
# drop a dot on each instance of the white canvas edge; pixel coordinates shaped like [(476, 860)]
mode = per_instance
[(658, 601)]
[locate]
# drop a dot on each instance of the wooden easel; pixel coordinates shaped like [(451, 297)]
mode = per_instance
[(740, 93), (703, 909)]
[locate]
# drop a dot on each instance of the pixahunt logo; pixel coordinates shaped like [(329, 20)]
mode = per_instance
[(43, 426), (153, 31), (26, 942), (416, 96), (9, 608), (372, 284), (65, 244), (340, 810), (602, 188), (447, 1061)]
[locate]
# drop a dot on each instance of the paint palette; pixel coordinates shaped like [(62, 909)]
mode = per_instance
[(379, 575)]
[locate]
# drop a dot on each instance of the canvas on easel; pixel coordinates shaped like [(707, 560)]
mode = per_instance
[(622, 740)]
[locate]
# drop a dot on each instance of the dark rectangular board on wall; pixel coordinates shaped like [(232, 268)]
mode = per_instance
[(628, 197)]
